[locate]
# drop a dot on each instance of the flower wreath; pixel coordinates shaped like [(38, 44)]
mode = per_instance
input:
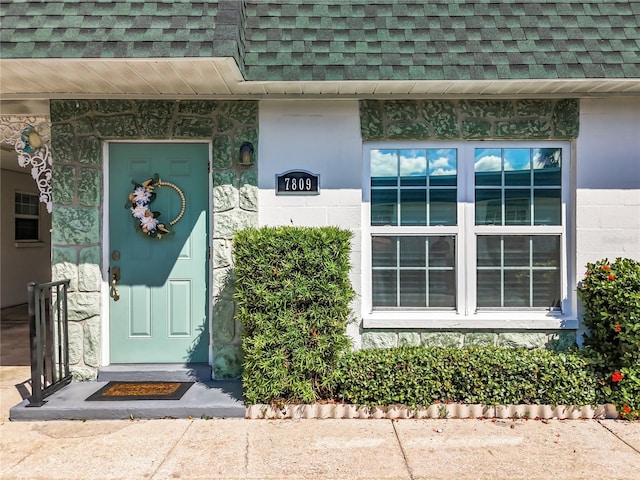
[(139, 204)]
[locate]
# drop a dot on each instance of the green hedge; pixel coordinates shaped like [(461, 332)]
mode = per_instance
[(293, 294), (421, 376)]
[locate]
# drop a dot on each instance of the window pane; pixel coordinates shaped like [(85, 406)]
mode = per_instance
[(384, 207), (516, 251), (26, 204), (413, 207), (547, 206), (384, 167), (489, 251), (26, 229), (442, 289), (525, 269), (443, 207), (384, 288), (443, 167), (488, 207), (517, 207), (413, 167), (413, 251), (547, 164), (517, 166), (442, 252), (489, 288), (546, 251), (421, 284), (488, 166), (413, 288), (384, 252), (546, 289), (516, 288)]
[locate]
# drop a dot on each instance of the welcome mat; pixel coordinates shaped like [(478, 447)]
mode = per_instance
[(120, 391)]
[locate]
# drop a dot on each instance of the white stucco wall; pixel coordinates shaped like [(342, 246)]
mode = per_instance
[(322, 137), (607, 181), (20, 265)]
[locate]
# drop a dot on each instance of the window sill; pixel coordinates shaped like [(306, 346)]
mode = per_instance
[(479, 321), (27, 244)]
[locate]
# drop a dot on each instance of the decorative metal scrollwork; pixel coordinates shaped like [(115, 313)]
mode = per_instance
[(31, 138)]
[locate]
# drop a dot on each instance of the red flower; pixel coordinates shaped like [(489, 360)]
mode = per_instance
[(587, 273), (606, 267), (611, 276), (626, 409), (617, 328), (616, 376)]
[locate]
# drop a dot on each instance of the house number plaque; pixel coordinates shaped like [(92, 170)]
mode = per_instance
[(297, 182)]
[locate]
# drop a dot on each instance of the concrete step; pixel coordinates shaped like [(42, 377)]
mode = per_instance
[(167, 372), (212, 399)]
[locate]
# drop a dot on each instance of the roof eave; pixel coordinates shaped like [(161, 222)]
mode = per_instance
[(220, 77)]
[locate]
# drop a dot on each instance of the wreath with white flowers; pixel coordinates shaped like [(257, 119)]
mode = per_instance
[(139, 204)]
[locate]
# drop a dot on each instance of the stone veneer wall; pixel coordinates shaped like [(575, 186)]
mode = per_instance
[(469, 120), (78, 129)]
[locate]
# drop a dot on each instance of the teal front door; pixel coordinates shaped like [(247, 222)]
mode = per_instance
[(158, 305)]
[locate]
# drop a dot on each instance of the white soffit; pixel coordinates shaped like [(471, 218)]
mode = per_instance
[(204, 78)]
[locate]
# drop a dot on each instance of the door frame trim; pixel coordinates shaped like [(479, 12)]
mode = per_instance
[(105, 354)]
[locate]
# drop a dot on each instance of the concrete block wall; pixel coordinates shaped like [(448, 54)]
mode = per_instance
[(322, 137)]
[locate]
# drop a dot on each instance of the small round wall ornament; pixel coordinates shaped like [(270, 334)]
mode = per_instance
[(139, 204)]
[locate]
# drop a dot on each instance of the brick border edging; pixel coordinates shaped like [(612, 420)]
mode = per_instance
[(436, 411)]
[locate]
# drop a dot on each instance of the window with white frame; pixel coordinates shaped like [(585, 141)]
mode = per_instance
[(466, 228), (27, 217)]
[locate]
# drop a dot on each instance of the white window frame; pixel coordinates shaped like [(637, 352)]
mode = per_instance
[(465, 316), (37, 217)]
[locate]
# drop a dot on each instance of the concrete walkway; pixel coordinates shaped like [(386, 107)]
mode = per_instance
[(187, 448)]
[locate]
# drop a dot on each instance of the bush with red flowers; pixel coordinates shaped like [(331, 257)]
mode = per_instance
[(610, 293)]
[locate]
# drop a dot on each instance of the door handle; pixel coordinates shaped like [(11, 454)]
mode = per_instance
[(115, 276)]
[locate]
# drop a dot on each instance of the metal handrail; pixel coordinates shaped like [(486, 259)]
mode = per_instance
[(49, 338)]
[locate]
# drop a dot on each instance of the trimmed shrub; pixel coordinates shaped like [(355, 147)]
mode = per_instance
[(293, 294), (421, 376), (610, 292)]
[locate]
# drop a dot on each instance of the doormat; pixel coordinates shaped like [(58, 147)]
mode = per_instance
[(120, 391)]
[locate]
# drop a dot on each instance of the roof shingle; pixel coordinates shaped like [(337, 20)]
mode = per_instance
[(340, 39)]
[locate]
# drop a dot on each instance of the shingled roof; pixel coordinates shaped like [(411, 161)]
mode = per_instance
[(317, 40), (442, 39)]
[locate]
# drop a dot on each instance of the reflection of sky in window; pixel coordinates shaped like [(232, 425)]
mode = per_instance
[(413, 163), (442, 162), (384, 163), (509, 159), (488, 160), (546, 158), (517, 158)]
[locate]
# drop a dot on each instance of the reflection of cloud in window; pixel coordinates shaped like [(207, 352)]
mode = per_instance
[(546, 158), (517, 158), (442, 166), (384, 163), (538, 161), (441, 171), (489, 163), (446, 152), (413, 166)]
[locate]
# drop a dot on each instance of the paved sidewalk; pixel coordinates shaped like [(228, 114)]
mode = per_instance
[(319, 449), (312, 449)]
